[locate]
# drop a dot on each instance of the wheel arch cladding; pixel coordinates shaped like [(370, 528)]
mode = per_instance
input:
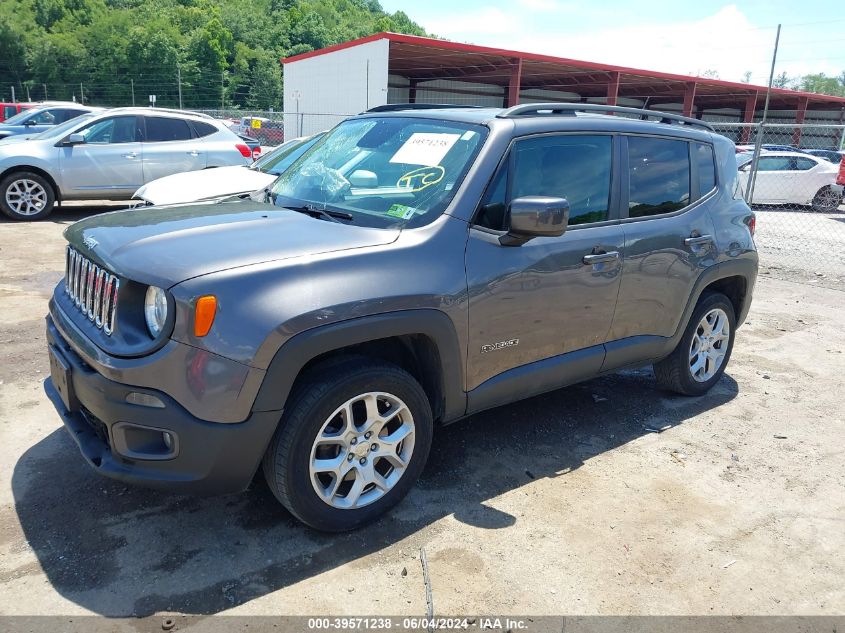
[(734, 288), (423, 342)]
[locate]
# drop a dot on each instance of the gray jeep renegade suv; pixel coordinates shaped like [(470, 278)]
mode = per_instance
[(416, 266)]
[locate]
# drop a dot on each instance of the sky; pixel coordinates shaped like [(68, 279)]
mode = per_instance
[(677, 37)]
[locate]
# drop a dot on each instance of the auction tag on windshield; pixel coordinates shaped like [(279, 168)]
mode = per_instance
[(401, 211), (424, 148)]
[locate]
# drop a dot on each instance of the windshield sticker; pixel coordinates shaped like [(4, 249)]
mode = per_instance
[(419, 179), (425, 148), (403, 212)]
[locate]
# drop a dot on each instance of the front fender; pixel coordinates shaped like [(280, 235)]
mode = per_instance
[(295, 353)]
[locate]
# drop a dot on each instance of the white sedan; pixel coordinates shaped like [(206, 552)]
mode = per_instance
[(794, 178), (207, 184)]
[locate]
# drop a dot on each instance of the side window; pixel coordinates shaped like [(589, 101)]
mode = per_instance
[(45, 117), (774, 163), (574, 167), (167, 129), (659, 176), (9, 111), (803, 164), (119, 129), (203, 129), (706, 167), (494, 205)]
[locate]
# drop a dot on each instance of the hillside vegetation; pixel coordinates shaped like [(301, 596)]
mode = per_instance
[(226, 52)]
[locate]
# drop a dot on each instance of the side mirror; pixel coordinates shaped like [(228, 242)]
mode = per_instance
[(75, 139), (363, 178), (536, 216), (29, 122)]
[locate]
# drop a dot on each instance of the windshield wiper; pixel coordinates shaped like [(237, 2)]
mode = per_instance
[(328, 214)]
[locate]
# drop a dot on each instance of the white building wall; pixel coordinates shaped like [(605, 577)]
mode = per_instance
[(321, 91)]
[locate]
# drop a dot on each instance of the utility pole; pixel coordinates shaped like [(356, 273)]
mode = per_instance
[(81, 94), (132, 88), (222, 90), (179, 82), (28, 98), (45, 91), (760, 130), (13, 94)]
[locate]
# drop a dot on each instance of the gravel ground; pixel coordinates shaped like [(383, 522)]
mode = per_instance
[(566, 503)]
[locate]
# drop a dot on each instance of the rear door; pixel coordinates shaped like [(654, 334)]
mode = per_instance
[(549, 296), (775, 176), (170, 147), (108, 164), (669, 237)]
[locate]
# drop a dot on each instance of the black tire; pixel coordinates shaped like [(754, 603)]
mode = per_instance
[(826, 200), (16, 177), (315, 397), (673, 372)]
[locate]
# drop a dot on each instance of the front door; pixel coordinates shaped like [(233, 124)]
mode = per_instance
[(552, 295), (107, 164)]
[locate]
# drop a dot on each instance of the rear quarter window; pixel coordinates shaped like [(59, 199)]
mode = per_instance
[(203, 129), (703, 155), (162, 129)]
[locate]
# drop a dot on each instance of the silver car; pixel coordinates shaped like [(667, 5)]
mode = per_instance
[(109, 155)]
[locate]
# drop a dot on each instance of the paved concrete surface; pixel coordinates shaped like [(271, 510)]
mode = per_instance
[(564, 503)]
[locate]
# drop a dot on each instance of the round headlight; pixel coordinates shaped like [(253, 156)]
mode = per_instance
[(155, 310)]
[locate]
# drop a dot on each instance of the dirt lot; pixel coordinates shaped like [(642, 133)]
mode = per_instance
[(563, 504)]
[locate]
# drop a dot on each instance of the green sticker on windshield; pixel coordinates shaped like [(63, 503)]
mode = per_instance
[(402, 211)]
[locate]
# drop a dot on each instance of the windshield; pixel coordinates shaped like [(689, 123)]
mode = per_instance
[(384, 172), (20, 117), (62, 128), (283, 156)]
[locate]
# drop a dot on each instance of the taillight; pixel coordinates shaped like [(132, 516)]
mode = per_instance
[(840, 179), (751, 221), (244, 150), (256, 153)]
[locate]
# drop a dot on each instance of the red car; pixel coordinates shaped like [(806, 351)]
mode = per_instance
[(8, 110)]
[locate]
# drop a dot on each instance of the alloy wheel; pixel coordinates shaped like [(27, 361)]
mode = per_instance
[(362, 450), (709, 345), (26, 197)]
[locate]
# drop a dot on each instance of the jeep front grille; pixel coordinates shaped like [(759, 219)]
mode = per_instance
[(93, 289)]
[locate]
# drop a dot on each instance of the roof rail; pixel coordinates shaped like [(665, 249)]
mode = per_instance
[(569, 109), (165, 111), (396, 107)]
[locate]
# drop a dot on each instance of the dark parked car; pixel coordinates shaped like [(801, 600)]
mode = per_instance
[(832, 155), (414, 267)]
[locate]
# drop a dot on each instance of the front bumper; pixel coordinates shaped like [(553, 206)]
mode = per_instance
[(123, 440)]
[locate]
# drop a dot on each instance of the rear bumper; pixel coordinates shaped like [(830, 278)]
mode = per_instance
[(124, 441)]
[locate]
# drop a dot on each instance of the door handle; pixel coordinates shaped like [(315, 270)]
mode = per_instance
[(131, 155), (194, 153), (698, 240), (600, 258)]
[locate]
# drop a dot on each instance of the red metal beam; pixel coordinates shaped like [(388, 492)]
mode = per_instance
[(515, 82), (689, 98), (800, 115), (613, 88), (748, 116)]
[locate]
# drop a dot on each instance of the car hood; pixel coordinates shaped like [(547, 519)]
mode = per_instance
[(165, 246), (192, 186)]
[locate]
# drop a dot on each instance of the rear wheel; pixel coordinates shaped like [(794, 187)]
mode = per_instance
[(826, 200), (26, 195), (700, 358), (350, 445)]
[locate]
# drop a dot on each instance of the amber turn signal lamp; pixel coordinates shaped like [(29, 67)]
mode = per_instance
[(204, 311)]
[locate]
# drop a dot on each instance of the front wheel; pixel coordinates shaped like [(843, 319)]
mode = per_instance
[(350, 445), (26, 196), (703, 352), (826, 200)]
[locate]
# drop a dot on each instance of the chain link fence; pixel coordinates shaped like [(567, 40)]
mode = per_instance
[(792, 189), (270, 128)]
